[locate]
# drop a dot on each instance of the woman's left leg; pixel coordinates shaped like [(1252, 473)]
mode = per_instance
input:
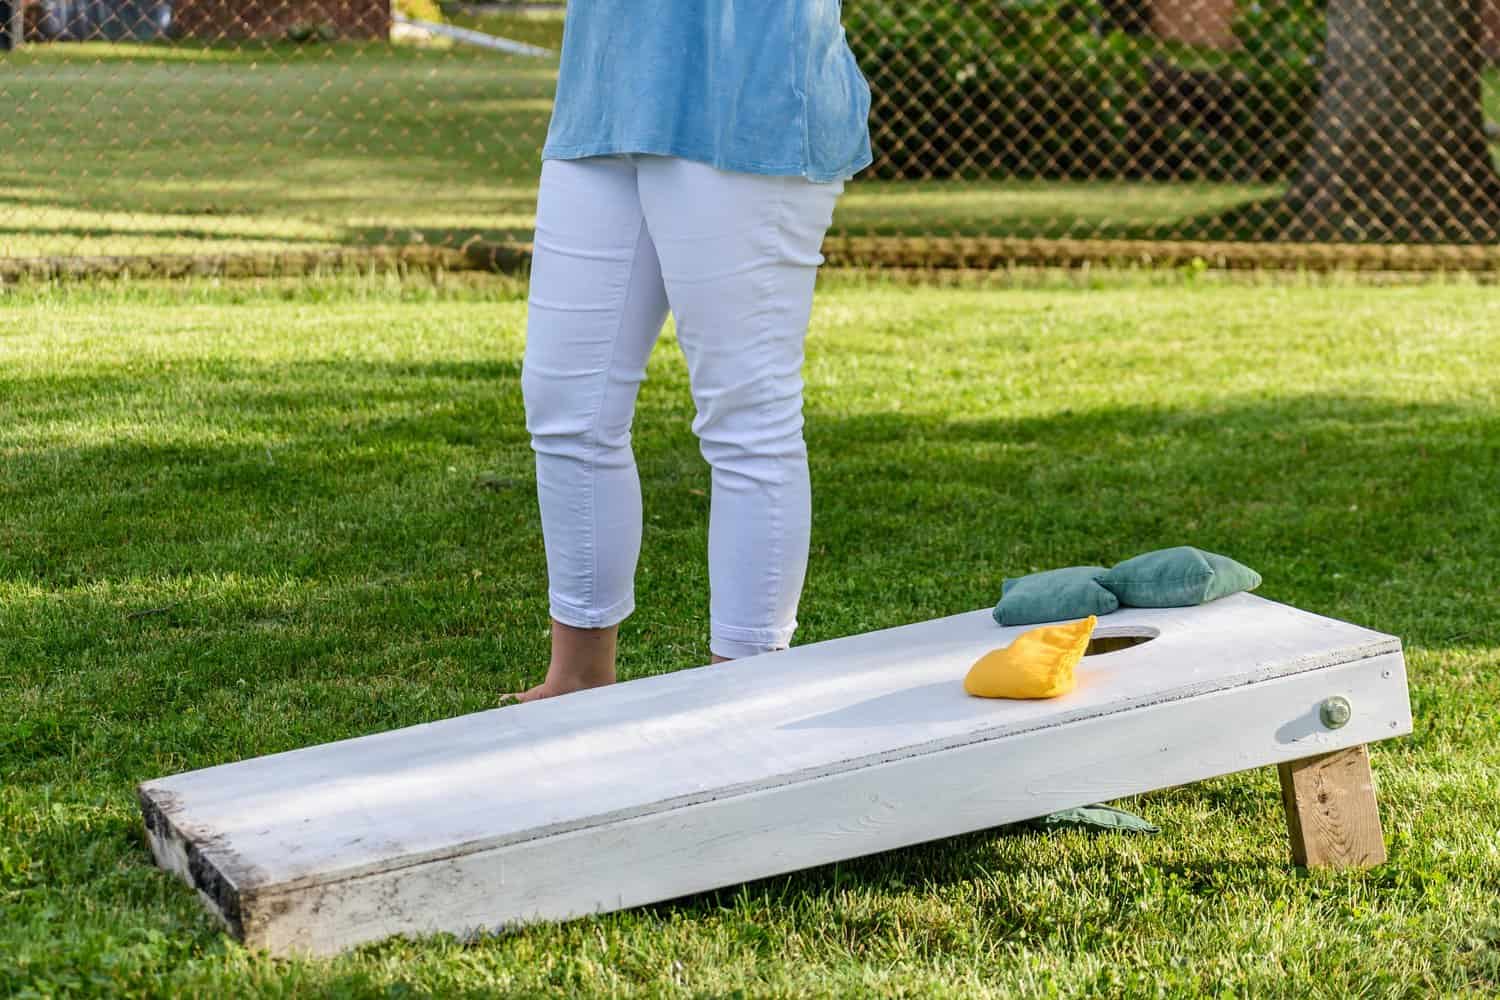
[(739, 256)]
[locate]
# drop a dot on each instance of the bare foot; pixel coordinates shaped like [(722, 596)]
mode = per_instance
[(581, 658), (716, 658), (549, 689)]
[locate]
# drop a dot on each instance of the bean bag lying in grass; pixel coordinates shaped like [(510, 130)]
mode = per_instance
[(1095, 817)]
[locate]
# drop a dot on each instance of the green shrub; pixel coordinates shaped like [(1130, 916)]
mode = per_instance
[(964, 90), (1286, 35), (1054, 88), (1281, 56)]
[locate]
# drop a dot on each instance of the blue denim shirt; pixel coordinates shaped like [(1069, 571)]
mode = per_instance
[(757, 86)]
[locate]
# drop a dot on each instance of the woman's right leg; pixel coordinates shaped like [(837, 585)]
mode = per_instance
[(595, 309)]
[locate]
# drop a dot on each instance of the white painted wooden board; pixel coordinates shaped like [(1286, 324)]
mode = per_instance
[(667, 785)]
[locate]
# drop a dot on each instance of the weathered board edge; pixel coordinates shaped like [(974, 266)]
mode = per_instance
[(1375, 648), (183, 856), (283, 906)]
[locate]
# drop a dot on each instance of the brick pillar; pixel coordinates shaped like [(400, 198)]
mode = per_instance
[(1196, 22)]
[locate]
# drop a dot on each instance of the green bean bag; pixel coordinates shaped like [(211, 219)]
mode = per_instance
[(1053, 596), (1177, 578)]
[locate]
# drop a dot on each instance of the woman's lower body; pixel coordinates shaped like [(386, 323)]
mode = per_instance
[(620, 242)]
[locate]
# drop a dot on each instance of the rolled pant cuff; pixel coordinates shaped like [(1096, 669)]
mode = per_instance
[(737, 643), (579, 617)]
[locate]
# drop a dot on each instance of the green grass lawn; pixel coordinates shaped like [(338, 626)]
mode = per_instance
[(244, 518), (130, 148), (158, 149), (544, 28)]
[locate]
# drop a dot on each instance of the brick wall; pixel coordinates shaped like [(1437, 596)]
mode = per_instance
[(213, 19), (1197, 22), (208, 20)]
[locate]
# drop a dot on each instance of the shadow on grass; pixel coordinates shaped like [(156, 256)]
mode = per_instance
[(1359, 508), (861, 899), (151, 232), (230, 240), (1351, 506)]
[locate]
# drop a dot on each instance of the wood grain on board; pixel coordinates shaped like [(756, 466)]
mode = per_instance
[(1331, 812)]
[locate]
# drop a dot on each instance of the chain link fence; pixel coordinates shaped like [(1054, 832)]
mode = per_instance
[(195, 129)]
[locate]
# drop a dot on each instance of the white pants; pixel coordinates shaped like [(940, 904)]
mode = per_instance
[(619, 240)]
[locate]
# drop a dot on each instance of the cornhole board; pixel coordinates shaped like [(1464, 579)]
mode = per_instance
[(664, 786)]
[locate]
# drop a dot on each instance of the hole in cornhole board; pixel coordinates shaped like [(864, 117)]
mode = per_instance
[(1114, 639)]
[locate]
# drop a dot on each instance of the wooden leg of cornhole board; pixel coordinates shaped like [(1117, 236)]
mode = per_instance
[(1331, 811)]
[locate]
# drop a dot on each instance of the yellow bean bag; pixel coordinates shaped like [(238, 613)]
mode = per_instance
[(1037, 664)]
